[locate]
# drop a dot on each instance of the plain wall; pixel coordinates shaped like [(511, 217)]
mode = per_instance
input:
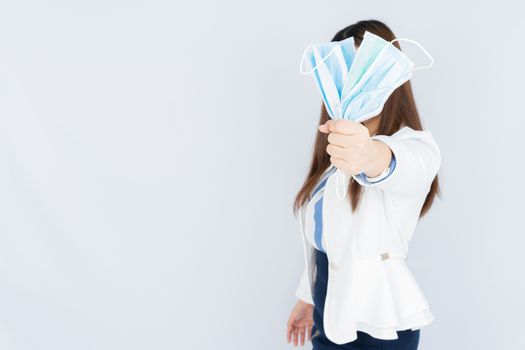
[(150, 152)]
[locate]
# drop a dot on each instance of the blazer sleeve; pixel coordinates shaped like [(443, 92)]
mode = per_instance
[(303, 291), (418, 159), (382, 176)]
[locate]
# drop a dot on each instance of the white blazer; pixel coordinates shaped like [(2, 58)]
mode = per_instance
[(370, 287)]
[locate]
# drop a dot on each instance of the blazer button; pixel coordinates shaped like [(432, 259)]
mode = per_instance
[(333, 266)]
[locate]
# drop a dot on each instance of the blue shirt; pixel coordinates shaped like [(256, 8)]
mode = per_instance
[(317, 238)]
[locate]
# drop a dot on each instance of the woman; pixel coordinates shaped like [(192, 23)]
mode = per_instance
[(356, 291)]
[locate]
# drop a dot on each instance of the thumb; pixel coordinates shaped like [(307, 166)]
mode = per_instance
[(324, 128)]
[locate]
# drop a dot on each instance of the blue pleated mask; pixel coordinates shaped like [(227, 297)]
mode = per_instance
[(354, 84)]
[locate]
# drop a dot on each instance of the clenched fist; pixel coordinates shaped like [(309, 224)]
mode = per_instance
[(352, 150)]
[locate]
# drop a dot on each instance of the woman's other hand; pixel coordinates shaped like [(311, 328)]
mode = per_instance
[(352, 150), (300, 323)]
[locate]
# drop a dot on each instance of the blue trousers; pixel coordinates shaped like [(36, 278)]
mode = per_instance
[(407, 339)]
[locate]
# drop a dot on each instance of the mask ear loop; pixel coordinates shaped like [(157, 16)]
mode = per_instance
[(341, 187), (301, 64), (430, 64)]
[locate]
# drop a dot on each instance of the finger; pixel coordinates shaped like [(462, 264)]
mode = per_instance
[(339, 163), (324, 128), (289, 333), (309, 332), (345, 166), (340, 140), (335, 151), (295, 334), (302, 332), (343, 126)]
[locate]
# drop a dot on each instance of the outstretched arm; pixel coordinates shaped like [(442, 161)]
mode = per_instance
[(416, 154)]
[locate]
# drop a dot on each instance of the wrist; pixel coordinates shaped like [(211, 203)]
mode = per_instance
[(303, 303), (380, 156)]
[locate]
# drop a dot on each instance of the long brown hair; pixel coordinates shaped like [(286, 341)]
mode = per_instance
[(399, 110)]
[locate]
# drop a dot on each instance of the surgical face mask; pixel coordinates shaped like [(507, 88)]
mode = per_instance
[(355, 85), (331, 62)]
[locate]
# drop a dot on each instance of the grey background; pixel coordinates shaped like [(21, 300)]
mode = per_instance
[(150, 152)]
